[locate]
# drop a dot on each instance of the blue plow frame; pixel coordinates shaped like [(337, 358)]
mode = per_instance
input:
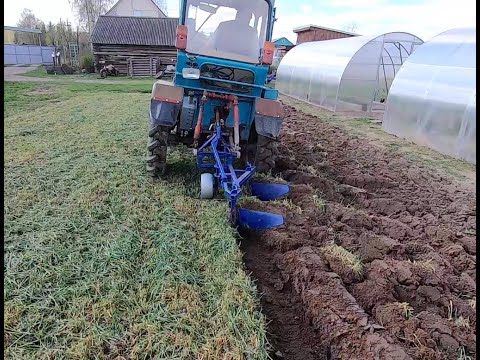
[(232, 180)]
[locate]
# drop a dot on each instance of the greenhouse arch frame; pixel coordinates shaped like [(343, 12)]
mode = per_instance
[(433, 99), (349, 74)]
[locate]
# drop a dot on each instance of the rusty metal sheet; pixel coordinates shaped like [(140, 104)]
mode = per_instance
[(267, 107), (166, 92)]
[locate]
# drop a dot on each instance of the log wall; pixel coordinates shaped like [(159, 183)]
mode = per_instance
[(134, 60)]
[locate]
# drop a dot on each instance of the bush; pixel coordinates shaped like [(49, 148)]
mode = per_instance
[(87, 63)]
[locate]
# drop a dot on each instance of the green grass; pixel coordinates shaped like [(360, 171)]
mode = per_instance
[(100, 261), (40, 72), (122, 77), (27, 96)]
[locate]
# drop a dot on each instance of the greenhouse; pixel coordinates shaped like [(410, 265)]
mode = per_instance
[(349, 74), (432, 101)]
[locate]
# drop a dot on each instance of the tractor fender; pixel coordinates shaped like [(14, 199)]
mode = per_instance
[(165, 104), (268, 117)]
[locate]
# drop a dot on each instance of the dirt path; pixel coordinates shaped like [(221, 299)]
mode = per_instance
[(378, 256), (13, 73)]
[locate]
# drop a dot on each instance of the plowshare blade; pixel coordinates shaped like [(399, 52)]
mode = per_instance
[(258, 220), (267, 192)]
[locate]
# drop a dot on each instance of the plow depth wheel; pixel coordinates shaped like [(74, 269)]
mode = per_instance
[(207, 185)]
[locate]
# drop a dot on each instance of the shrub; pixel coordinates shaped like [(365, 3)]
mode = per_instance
[(87, 63)]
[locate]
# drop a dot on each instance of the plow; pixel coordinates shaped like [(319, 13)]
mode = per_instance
[(218, 104), (218, 154)]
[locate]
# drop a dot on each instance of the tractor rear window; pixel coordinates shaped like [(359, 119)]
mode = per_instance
[(227, 29), (219, 73)]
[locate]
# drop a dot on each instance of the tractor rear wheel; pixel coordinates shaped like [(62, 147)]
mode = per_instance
[(266, 153), (157, 151)]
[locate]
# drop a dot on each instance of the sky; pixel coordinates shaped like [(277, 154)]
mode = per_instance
[(424, 18)]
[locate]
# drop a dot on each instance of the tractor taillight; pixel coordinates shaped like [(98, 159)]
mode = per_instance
[(181, 41), (268, 51)]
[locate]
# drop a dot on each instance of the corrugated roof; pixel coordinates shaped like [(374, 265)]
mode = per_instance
[(283, 41), (309, 27), (132, 30), (14, 28)]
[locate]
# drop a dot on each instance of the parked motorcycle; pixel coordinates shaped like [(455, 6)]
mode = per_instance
[(108, 70), (164, 71)]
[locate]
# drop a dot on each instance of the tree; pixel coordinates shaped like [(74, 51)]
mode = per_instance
[(50, 35), (162, 4), (88, 11), (350, 27), (28, 20)]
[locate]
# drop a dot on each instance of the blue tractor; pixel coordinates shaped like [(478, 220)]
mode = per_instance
[(218, 103)]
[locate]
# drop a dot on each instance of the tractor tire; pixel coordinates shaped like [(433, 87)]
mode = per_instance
[(157, 151), (266, 153)]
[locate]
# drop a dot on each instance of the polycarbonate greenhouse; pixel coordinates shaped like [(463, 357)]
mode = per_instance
[(432, 100), (350, 74)]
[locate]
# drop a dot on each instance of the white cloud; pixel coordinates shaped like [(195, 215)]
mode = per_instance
[(425, 19), (422, 18), (53, 11), (56, 10), (354, 4), (173, 8), (306, 9)]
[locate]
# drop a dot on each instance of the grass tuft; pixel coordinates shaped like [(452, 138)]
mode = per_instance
[(462, 322), (426, 265), (473, 303), (349, 261), (462, 354), (319, 202), (308, 169), (288, 204), (407, 310)]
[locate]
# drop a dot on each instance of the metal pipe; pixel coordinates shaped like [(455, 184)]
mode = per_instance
[(198, 127), (236, 122)]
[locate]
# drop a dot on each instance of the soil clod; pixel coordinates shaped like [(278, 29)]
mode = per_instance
[(377, 256)]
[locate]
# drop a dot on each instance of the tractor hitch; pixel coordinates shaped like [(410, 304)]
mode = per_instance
[(231, 181)]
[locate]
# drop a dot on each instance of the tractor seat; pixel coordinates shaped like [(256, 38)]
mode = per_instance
[(231, 38)]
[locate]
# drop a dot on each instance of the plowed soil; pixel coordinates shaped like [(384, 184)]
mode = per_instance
[(377, 258)]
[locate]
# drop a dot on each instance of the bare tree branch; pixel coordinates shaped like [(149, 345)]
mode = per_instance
[(88, 11), (28, 20), (350, 27), (162, 4)]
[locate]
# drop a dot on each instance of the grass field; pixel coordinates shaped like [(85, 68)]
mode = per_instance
[(40, 72), (101, 262)]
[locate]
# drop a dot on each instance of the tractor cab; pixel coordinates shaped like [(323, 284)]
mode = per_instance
[(225, 45)]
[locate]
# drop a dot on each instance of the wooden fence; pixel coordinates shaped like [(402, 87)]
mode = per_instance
[(142, 67)]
